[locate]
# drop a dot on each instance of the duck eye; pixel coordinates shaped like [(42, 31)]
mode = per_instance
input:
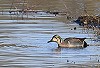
[(55, 37)]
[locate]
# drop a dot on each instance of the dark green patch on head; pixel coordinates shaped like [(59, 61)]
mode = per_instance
[(57, 36)]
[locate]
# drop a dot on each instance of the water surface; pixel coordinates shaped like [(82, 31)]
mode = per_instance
[(23, 43), (32, 50)]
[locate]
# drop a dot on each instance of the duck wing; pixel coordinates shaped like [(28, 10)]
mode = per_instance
[(74, 41)]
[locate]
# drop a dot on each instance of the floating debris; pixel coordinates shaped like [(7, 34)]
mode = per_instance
[(67, 60), (26, 46), (98, 61), (74, 28), (5, 44)]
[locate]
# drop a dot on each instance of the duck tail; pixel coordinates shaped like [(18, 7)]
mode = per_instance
[(85, 44)]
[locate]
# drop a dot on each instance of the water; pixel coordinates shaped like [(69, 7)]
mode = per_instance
[(32, 50), (23, 43)]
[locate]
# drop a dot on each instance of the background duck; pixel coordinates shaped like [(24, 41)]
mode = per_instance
[(69, 42)]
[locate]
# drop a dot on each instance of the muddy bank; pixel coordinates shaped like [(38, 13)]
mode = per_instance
[(74, 8), (89, 21)]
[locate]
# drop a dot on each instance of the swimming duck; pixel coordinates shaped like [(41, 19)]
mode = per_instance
[(69, 42)]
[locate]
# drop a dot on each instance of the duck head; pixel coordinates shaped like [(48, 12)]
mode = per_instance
[(56, 38)]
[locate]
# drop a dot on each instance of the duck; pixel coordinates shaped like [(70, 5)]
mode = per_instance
[(70, 42)]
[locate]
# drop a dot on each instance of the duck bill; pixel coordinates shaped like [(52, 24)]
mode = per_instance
[(50, 41)]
